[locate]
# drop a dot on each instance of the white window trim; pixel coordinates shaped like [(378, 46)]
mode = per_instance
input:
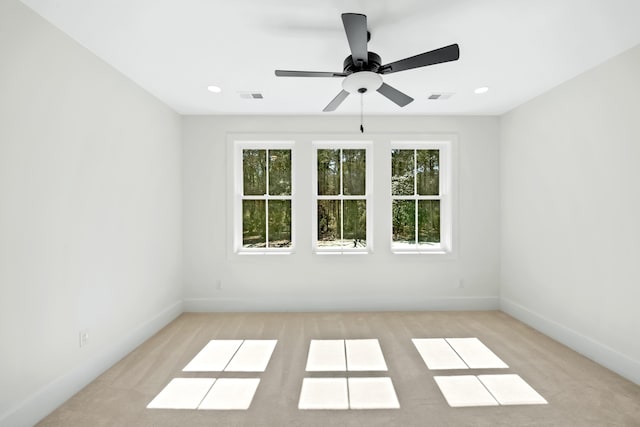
[(367, 145), (446, 196), (238, 179)]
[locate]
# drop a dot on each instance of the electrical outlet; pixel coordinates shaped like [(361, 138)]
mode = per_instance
[(84, 337)]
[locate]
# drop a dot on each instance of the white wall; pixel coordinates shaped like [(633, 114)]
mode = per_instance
[(90, 215), (304, 281), (570, 185)]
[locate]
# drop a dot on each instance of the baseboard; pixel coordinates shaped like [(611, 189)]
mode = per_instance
[(48, 398), (332, 304), (594, 350)]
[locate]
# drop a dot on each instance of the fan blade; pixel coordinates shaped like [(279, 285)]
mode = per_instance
[(288, 73), (394, 95), (355, 25), (438, 56), (336, 101)]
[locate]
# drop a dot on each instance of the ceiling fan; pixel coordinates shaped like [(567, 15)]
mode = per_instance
[(362, 69)]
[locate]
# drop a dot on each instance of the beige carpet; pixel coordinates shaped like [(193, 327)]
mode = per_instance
[(579, 392)]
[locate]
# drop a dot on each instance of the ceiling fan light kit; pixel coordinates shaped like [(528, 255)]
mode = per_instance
[(362, 82), (363, 70)]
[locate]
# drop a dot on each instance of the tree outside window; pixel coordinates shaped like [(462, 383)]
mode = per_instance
[(266, 198), (416, 198), (341, 199)]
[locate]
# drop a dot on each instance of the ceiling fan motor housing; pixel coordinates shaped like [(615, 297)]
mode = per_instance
[(373, 64)]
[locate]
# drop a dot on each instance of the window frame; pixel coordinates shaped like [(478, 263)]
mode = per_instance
[(445, 196), (367, 146), (238, 183)]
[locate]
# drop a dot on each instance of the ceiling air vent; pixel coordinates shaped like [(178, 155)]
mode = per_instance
[(440, 95), (251, 95)]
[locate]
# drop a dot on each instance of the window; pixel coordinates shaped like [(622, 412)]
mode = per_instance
[(420, 199), (415, 172), (342, 205), (264, 193)]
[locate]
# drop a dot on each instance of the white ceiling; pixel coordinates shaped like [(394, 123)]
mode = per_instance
[(176, 48)]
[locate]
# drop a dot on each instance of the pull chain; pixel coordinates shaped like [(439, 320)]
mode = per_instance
[(361, 112)]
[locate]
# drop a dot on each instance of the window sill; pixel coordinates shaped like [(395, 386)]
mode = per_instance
[(267, 253), (401, 252), (335, 252)]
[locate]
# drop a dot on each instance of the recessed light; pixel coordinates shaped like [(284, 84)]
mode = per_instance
[(214, 89), (482, 89)]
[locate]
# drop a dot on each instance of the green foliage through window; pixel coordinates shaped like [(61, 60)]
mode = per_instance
[(342, 220), (415, 189), (266, 215)]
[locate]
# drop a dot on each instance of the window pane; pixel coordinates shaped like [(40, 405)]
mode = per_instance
[(353, 172), (328, 172), (253, 224), (402, 172), (429, 221), (404, 221), (355, 223), (254, 172), (279, 223), (428, 171), (329, 223), (280, 172)]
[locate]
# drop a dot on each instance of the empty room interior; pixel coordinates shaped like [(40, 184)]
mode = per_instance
[(278, 213)]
